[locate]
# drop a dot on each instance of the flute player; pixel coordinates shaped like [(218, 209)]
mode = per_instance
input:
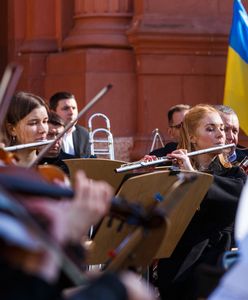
[(210, 232), (26, 122)]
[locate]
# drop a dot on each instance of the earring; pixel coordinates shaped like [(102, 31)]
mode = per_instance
[(193, 145), (13, 139)]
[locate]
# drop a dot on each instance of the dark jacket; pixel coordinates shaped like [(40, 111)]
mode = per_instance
[(208, 235), (168, 148), (58, 161), (81, 144), (15, 284)]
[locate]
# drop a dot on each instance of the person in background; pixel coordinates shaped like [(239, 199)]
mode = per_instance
[(175, 117), (231, 123), (76, 140), (26, 122), (55, 155)]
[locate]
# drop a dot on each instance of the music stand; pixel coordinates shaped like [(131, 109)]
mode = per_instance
[(148, 189), (97, 169)]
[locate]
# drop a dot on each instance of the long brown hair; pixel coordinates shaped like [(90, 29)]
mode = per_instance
[(190, 124)]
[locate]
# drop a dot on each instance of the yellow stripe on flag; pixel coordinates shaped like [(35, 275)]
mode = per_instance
[(236, 87)]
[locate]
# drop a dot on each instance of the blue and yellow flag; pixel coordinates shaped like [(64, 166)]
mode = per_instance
[(236, 85)]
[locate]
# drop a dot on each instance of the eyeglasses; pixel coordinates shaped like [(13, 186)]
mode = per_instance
[(178, 126)]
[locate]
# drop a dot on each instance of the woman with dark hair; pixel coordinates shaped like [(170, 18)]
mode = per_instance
[(210, 231), (55, 155), (26, 122)]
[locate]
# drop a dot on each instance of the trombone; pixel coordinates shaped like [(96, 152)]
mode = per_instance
[(104, 150), (159, 160)]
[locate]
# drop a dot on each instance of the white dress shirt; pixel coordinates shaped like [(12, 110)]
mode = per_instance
[(67, 142)]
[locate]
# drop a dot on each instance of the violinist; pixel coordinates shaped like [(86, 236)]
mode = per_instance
[(210, 231), (55, 155), (34, 273), (26, 122)]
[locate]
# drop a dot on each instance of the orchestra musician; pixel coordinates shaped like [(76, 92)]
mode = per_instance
[(76, 140), (55, 154), (175, 117), (210, 231), (231, 123), (29, 271), (26, 122)]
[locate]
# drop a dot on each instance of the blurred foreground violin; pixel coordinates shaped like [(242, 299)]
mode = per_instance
[(244, 165)]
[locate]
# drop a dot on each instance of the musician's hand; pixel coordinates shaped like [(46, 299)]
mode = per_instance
[(92, 201), (69, 220), (137, 288), (180, 158), (149, 169)]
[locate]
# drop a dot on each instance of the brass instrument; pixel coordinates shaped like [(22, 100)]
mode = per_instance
[(105, 145), (159, 160)]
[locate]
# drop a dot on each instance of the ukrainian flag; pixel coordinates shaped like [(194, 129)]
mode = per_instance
[(236, 85)]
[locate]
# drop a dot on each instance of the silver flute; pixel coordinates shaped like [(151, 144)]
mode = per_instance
[(159, 160), (29, 145)]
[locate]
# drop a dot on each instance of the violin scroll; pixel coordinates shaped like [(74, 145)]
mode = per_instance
[(244, 165)]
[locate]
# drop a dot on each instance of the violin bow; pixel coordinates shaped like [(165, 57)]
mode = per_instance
[(8, 85), (98, 96)]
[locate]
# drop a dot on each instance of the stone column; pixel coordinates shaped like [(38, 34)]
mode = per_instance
[(40, 27), (96, 52), (40, 38), (180, 49), (100, 23)]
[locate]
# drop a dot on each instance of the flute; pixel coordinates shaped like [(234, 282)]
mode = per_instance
[(29, 145), (159, 160)]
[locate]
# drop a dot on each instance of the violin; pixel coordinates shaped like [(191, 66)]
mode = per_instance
[(44, 242), (244, 165), (17, 181)]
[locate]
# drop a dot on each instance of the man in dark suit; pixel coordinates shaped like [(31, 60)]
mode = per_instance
[(175, 117), (231, 122), (76, 140)]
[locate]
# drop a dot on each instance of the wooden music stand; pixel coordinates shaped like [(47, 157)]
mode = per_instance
[(97, 169), (148, 189)]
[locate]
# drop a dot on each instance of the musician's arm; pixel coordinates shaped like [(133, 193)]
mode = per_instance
[(126, 286)]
